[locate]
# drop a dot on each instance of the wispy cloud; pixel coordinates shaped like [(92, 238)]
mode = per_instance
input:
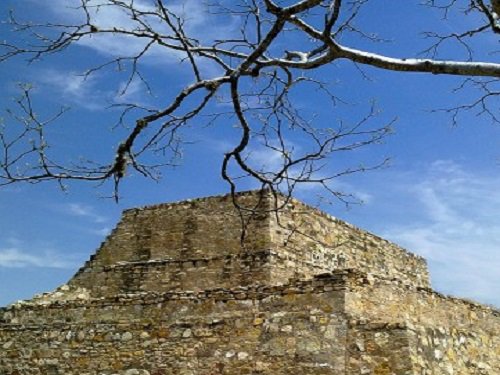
[(456, 227), (265, 158), (77, 89), (85, 211), (269, 159), (13, 257), (93, 92), (102, 232), (197, 24)]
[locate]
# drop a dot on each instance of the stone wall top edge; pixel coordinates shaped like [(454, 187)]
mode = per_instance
[(219, 197), (463, 301), (354, 227), (337, 280), (260, 254), (363, 279), (346, 278), (226, 256)]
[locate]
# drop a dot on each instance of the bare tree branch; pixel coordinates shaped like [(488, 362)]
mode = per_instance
[(261, 65)]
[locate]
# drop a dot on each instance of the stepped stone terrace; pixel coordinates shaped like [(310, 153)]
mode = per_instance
[(175, 289)]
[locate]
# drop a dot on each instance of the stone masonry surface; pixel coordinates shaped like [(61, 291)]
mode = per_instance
[(176, 289)]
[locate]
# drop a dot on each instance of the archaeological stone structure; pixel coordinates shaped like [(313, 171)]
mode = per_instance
[(176, 289)]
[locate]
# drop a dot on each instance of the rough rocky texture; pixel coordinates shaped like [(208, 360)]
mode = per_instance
[(174, 290), (313, 241)]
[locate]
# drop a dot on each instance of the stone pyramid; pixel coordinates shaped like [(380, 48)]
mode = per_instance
[(175, 289)]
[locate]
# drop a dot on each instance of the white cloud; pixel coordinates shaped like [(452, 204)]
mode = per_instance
[(197, 24), (92, 92), (132, 92), (272, 160), (77, 89), (312, 192), (102, 232), (82, 210), (265, 158), (13, 257), (458, 231)]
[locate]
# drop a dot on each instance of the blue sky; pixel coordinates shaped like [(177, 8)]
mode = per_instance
[(439, 197)]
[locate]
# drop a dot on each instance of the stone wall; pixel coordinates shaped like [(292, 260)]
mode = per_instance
[(162, 248), (177, 275), (298, 328), (346, 322), (181, 238), (311, 239), (446, 336), (175, 290), (378, 349)]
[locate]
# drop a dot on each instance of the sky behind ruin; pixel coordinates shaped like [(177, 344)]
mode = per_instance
[(439, 198)]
